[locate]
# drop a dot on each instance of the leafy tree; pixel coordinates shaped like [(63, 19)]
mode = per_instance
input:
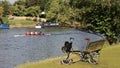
[(30, 3), (79, 8), (40, 3), (18, 10), (33, 11), (105, 20), (5, 5), (102, 16), (53, 10), (1, 11), (58, 11), (19, 2), (43, 4)]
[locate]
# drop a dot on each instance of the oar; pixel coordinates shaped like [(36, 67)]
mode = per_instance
[(19, 35)]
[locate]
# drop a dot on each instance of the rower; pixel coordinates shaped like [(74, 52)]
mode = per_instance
[(27, 33)]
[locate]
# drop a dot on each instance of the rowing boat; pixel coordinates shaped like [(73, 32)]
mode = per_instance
[(21, 35)]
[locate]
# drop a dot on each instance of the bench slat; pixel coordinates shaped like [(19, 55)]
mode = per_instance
[(93, 46)]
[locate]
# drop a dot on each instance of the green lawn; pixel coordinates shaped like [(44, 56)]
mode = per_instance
[(15, 22), (109, 58), (23, 22)]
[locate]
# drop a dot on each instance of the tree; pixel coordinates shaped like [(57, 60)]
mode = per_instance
[(5, 5), (40, 3), (30, 3), (43, 4), (53, 10), (58, 11), (19, 2), (79, 8), (105, 19), (101, 16), (33, 11), (1, 11)]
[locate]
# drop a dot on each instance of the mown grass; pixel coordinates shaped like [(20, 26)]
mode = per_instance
[(109, 58), (23, 22), (14, 22)]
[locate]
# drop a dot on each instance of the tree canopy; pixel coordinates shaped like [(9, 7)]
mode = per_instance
[(1, 11)]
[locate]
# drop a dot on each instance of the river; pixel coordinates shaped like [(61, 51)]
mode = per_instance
[(19, 50)]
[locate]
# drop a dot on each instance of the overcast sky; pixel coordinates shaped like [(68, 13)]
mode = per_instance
[(12, 1)]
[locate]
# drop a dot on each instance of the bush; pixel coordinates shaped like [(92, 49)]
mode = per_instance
[(5, 19)]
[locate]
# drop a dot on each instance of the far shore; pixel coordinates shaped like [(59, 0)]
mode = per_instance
[(22, 26), (33, 25)]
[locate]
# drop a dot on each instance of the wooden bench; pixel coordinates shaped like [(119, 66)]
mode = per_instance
[(95, 46), (91, 53)]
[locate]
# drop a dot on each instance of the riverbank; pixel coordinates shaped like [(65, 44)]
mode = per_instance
[(109, 58), (22, 26), (21, 23), (30, 23)]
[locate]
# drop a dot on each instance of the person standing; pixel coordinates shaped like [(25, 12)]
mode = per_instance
[(67, 48)]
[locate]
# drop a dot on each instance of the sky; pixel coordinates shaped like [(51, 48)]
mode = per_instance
[(11, 1)]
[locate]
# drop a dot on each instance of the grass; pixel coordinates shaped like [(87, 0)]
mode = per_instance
[(15, 22), (23, 22), (109, 58)]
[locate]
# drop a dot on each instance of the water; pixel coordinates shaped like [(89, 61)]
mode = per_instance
[(19, 50)]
